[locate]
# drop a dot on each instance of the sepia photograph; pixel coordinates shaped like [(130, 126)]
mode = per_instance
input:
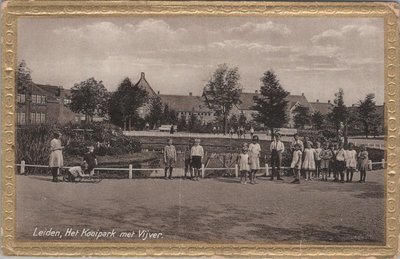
[(196, 129)]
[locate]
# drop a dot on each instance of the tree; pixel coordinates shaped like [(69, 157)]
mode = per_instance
[(367, 113), (169, 115), (194, 122), (222, 91), (156, 112), (339, 114), (233, 121), (125, 102), (242, 120), (23, 77), (271, 104), (173, 118), (90, 98), (166, 114), (317, 120), (182, 124), (302, 116)]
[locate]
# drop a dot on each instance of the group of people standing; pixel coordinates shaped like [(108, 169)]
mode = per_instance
[(249, 159), (319, 162), (193, 158), (308, 160)]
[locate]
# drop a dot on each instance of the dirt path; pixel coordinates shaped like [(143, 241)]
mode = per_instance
[(208, 210)]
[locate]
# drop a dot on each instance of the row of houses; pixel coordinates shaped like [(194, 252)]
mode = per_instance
[(48, 104)]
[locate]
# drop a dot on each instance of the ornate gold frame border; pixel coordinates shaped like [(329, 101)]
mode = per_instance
[(14, 9)]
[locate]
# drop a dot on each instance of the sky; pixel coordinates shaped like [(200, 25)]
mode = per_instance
[(314, 56)]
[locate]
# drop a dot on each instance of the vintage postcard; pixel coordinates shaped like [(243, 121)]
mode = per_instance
[(233, 129)]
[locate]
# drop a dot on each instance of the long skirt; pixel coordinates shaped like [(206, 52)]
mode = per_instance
[(56, 159)]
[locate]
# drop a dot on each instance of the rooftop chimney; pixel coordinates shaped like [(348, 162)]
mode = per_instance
[(256, 92), (329, 101), (158, 92), (317, 100), (190, 93), (142, 75), (302, 94)]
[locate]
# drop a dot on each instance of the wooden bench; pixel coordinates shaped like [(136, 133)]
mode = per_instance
[(165, 128)]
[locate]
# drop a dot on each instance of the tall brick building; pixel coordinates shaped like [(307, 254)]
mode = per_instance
[(40, 104)]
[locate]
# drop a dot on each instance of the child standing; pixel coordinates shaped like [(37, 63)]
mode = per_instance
[(340, 162), (197, 154), (317, 154), (188, 167), (326, 157), (296, 162), (169, 158), (309, 160), (362, 163), (333, 163), (351, 162), (91, 160), (244, 163), (254, 157)]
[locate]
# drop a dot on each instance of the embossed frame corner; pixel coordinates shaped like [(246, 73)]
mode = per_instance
[(12, 10)]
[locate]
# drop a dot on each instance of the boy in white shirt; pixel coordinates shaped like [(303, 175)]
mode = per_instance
[(277, 148), (196, 156)]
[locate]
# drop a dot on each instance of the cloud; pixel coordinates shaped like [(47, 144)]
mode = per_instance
[(347, 32), (262, 28), (250, 46), (109, 38)]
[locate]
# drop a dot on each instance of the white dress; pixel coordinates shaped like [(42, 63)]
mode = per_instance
[(351, 158), (309, 161), (56, 156), (244, 162), (254, 156)]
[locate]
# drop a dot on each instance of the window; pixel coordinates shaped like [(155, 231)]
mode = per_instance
[(21, 98), (42, 118), (39, 99), (21, 118), (33, 117), (37, 118)]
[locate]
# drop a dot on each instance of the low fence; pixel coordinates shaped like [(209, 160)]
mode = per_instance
[(266, 170), (370, 145)]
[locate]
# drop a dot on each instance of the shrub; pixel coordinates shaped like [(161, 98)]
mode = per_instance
[(33, 141)]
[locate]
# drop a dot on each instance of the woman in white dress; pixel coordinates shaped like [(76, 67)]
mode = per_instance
[(254, 158), (309, 161), (56, 160)]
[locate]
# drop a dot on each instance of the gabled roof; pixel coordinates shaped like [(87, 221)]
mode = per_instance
[(299, 99), (53, 89), (323, 108), (185, 103), (143, 84), (248, 101)]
